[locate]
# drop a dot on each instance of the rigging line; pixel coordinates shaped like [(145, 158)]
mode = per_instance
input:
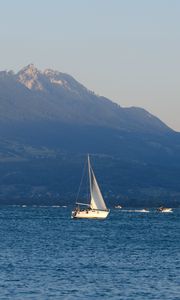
[(88, 190), (83, 173)]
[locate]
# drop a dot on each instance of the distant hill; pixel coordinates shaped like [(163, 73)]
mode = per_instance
[(49, 122)]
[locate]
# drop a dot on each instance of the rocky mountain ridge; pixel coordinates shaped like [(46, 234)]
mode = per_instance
[(53, 96)]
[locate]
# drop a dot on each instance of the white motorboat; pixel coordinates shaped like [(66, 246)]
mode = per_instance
[(164, 209), (118, 206)]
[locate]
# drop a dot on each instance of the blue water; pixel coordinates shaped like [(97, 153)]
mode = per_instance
[(46, 255)]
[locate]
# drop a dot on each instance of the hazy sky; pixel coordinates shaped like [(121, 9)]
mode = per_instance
[(127, 50)]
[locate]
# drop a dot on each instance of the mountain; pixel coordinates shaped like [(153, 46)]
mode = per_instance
[(49, 121), (53, 96)]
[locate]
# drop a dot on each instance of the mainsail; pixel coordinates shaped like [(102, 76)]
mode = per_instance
[(97, 201)]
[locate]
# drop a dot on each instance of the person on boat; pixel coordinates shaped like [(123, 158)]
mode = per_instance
[(76, 211)]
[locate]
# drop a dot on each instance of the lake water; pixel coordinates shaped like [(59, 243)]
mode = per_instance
[(46, 255)]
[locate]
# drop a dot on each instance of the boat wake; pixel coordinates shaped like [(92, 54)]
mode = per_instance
[(136, 210)]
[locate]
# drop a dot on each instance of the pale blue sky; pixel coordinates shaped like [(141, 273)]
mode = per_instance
[(127, 50)]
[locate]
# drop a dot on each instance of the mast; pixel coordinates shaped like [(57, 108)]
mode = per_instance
[(89, 172)]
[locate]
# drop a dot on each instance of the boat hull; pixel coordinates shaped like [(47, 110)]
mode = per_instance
[(164, 209), (90, 214)]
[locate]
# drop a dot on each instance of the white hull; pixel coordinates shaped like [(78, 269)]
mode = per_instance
[(164, 209), (90, 214)]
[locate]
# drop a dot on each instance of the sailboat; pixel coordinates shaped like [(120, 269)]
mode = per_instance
[(96, 209)]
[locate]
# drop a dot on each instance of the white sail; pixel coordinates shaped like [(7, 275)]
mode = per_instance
[(97, 201)]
